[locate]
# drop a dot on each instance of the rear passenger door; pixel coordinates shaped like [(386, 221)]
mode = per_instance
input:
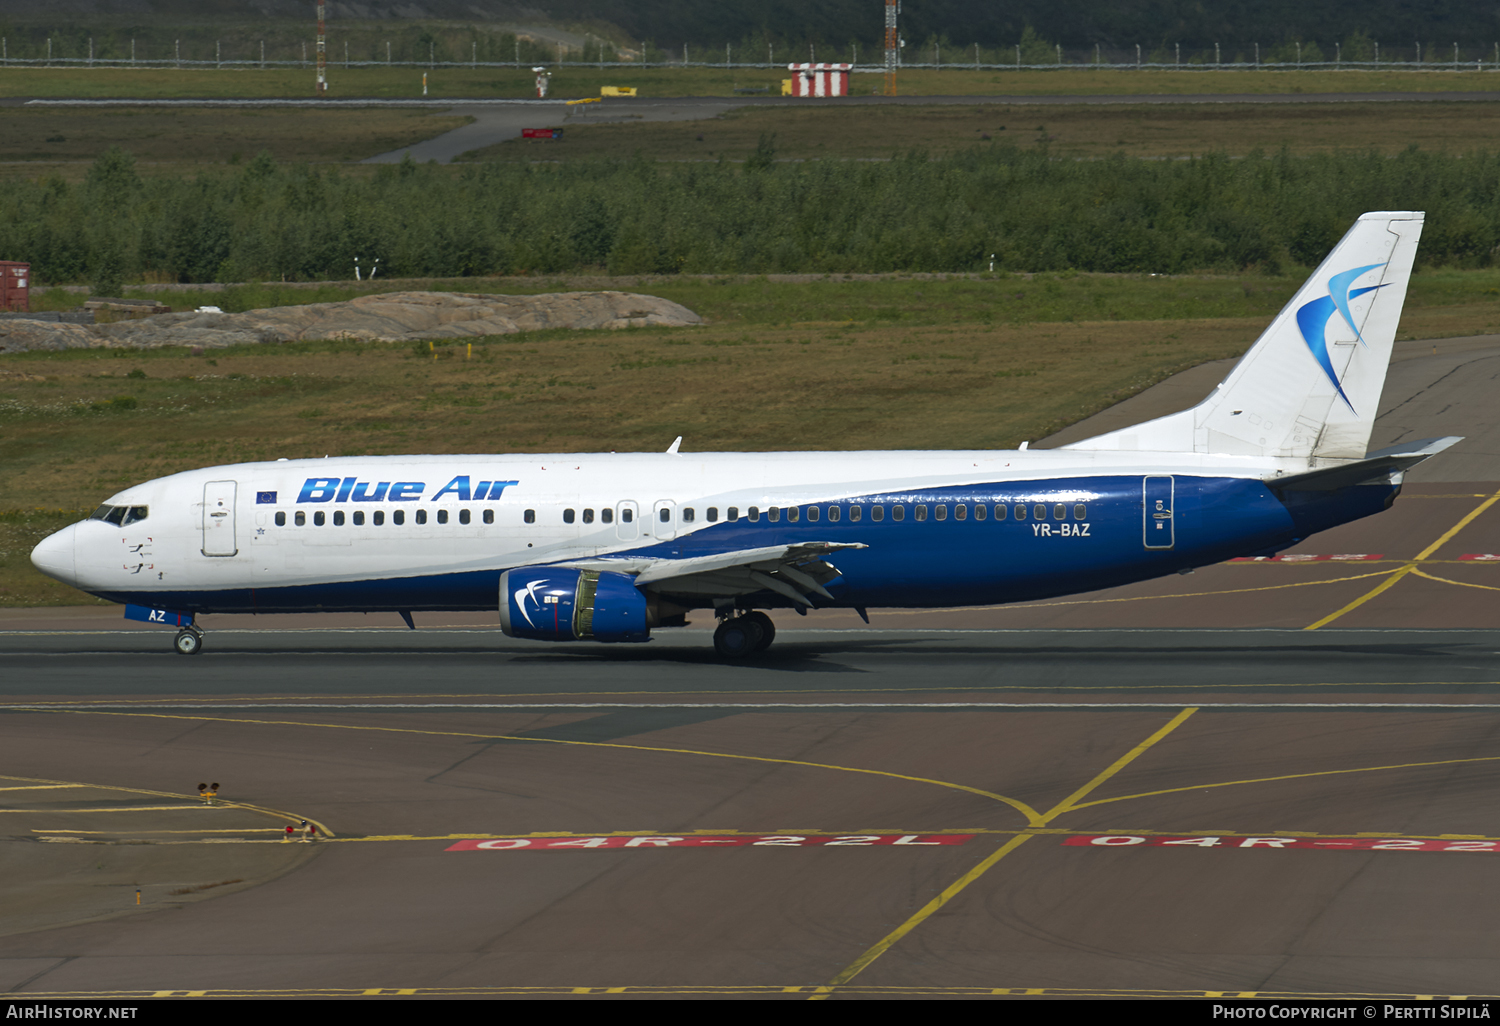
[(1156, 511)]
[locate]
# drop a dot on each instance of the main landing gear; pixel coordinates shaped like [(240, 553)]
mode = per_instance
[(189, 641), (739, 637)]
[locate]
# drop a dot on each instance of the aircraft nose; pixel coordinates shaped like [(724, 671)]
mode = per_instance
[(53, 556)]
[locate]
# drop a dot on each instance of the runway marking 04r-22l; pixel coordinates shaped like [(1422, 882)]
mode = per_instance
[(702, 841), (1278, 843)]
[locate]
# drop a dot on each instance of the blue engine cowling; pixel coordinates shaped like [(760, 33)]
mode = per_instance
[(550, 603)]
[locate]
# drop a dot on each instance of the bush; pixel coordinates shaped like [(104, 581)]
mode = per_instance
[(264, 222)]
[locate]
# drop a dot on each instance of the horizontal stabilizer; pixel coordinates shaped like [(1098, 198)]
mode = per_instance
[(1378, 464)]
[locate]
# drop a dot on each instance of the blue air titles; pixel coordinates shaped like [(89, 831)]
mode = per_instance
[(349, 489)]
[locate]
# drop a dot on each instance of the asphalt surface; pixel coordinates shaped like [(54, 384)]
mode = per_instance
[(944, 803)]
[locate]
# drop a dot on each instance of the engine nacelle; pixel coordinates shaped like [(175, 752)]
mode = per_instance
[(550, 603)]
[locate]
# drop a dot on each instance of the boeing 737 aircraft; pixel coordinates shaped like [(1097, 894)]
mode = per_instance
[(609, 547)]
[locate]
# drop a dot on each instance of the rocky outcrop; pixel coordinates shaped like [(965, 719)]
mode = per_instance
[(392, 317)]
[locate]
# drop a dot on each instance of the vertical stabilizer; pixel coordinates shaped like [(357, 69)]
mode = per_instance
[(1310, 385)]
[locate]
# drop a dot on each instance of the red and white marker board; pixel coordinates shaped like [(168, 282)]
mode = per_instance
[(820, 79)]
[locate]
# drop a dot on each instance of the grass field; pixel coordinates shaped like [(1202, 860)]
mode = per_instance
[(786, 362), (1081, 131), (200, 135), (60, 140), (920, 362), (1441, 301), (575, 81), (79, 425)]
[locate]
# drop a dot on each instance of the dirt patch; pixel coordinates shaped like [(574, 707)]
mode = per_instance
[(390, 317)]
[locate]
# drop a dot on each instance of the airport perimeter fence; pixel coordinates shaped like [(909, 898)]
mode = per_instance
[(1032, 55)]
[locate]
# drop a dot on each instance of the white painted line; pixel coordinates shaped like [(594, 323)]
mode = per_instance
[(285, 703)]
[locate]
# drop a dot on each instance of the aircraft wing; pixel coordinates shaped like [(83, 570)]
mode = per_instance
[(794, 571)]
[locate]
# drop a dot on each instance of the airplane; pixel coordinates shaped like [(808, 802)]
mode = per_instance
[(610, 547)]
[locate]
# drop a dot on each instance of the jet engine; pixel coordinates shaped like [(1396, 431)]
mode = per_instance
[(548, 603)]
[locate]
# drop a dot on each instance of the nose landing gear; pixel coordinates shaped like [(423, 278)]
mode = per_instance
[(739, 637), (189, 641)]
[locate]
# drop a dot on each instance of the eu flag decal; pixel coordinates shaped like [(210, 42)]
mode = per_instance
[(265, 498)]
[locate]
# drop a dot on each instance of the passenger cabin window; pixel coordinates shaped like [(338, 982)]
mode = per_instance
[(398, 517), (489, 516), (442, 516), (921, 512), (529, 516), (793, 514), (940, 512), (812, 514), (1039, 512), (281, 518), (687, 514), (301, 519), (774, 513), (755, 514), (1080, 512), (1059, 512), (979, 511), (1020, 512), (1000, 512), (379, 518), (713, 514), (833, 514), (733, 514), (463, 516), (567, 516), (359, 518), (607, 515), (588, 516), (877, 512), (898, 512), (665, 515), (421, 516), (338, 517), (627, 515), (960, 512), (318, 519)]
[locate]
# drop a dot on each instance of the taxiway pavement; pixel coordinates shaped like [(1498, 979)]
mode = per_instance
[(1270, 777)]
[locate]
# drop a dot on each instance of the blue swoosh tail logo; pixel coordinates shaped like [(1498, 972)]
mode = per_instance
[(1313, 318)]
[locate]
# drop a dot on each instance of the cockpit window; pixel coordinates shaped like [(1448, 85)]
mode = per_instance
[(120, 516)]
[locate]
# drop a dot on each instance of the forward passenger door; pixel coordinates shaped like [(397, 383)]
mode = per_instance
[(218, 518)]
